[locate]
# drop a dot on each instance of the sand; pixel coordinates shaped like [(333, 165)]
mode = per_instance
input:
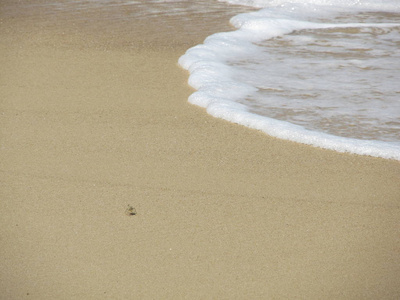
[(94, 120)]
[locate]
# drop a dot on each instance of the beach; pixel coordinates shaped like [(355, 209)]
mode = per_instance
[(94, 119)]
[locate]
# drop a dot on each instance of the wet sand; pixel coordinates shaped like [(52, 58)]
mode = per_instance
[(94, 119)]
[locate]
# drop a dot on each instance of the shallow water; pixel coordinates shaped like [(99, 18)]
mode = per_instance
[(342, 81), (324, 75)]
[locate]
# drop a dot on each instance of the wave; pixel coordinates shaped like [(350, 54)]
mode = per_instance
[(213, 73)]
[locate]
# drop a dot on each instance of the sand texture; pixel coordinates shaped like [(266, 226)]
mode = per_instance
[(92, 122)]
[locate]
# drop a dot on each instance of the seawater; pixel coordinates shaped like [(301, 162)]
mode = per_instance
[(319, 72)]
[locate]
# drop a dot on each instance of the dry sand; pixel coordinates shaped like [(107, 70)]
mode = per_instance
[(92, 121)]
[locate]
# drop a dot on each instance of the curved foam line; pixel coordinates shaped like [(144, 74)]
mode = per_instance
[(210, 75)]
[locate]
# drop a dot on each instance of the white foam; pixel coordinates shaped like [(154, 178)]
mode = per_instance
[(220, 89)]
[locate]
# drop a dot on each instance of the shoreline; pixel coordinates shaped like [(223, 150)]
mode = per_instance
[(91, 126)]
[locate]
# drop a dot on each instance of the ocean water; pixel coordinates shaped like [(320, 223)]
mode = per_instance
[(319, 72)]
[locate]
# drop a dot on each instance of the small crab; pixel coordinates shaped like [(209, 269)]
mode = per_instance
[(130, 211)]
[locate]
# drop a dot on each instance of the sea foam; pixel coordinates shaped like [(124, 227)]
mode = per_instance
[(226, 68)]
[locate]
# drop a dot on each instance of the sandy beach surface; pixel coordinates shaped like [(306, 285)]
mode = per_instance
[(94, 117)]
